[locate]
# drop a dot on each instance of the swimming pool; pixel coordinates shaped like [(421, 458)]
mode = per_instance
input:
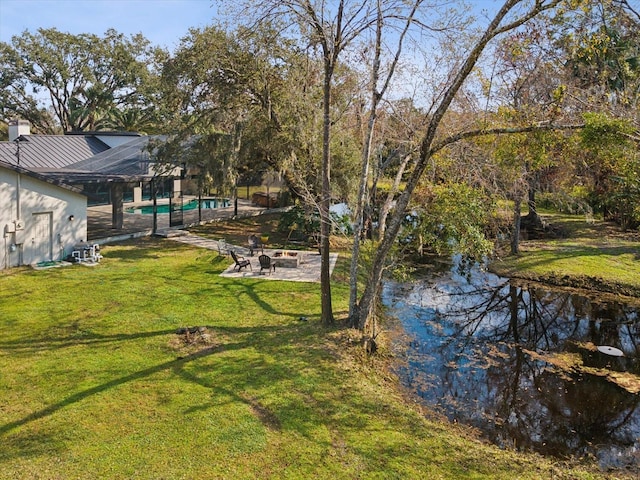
[(190, 205)]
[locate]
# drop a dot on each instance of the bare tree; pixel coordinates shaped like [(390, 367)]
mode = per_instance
[(332, 28), (377, 93), (507, 18)]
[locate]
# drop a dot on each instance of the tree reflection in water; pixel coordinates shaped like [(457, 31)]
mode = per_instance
[(520, 364)]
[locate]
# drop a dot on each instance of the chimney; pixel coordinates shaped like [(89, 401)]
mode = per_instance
[(17, 128)]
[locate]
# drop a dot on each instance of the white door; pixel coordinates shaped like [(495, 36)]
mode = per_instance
[(42, 239)]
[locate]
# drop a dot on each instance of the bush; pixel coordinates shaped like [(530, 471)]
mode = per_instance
[(303, 223), (575, 202), (451, 218)]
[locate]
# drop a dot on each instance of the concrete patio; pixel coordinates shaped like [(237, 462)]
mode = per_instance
[(307, 271)]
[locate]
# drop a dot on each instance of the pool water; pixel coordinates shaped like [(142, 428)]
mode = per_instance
[(190, 205)]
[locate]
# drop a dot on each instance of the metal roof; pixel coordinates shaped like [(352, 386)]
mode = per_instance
[(81, 159), (51, 152), (131, 158), (8, 153)]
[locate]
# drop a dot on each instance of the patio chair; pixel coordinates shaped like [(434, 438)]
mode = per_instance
[(266, 264), (254, 244), (240, 261), (223, 249)]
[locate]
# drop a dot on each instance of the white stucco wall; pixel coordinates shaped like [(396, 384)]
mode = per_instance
[(45, 232)]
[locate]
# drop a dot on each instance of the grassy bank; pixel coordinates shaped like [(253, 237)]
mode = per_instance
[(98, 379), (594, 255)]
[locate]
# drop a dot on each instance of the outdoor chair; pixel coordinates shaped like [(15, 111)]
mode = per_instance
[(223, 249), (240, 261), (266, 264), (254, 244)]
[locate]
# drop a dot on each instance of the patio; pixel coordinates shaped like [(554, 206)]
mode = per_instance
[(308, 269)]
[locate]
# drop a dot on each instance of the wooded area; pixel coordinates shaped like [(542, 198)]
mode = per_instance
[(427, 121)]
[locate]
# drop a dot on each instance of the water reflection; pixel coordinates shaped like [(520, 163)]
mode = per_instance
[(522, 364)]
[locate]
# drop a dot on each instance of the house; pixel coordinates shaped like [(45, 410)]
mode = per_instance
[(41, 218), (97, 167)]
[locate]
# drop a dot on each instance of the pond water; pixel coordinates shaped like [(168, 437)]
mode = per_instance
[(522, 363)]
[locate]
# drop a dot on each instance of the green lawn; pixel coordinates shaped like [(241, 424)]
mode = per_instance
[(591, 254), (96, 383)]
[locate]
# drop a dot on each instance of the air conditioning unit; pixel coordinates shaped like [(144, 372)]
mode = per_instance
[(19, 224)]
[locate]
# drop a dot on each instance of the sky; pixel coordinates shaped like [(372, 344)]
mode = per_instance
[(163, 22)]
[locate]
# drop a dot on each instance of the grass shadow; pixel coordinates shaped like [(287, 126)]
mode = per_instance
[(84, 394), (26, 345)]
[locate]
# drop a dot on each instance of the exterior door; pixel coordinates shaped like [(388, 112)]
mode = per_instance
[(42, 239)]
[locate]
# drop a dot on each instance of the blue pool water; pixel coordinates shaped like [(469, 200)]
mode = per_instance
[(191, 205)]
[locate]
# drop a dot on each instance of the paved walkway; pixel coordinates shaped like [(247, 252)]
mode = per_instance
[(307, 271)]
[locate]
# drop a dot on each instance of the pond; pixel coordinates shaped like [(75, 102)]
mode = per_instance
[(522, 363)]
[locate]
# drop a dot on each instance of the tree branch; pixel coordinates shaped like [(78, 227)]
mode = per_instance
[(500, 131), (538, 8)]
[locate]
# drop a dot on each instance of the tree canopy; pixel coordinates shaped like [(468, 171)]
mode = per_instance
[(64, 82)]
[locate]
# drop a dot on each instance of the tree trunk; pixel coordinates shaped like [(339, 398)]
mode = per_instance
[(532, 222), (233, 168), (357, 228), (154, 194), (325, 201), (366, 306), (388, 203), (515, 234), (376, 97), (532, 217), (364, 176), (531, 203)]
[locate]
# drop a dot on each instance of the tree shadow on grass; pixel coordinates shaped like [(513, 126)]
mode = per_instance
[(27, 444), (254, 290), (175, 364), (286, 358), (38, 344), (79, 396), (283, 398), (275, 383), (241, 290)]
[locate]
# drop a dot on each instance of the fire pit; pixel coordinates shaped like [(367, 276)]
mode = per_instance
[(285, 259)]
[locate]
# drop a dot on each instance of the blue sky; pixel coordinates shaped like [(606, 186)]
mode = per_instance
[(163, 22)]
